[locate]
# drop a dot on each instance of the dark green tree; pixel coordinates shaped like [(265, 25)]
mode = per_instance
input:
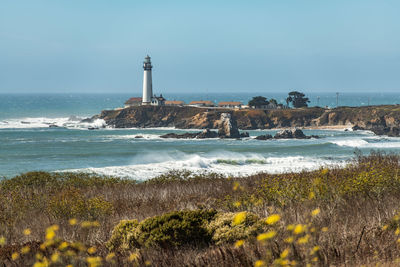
[(273, 101), (297, 99), (258, 101)]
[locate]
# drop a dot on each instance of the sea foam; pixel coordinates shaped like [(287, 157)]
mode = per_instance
[(224, 162), (43, 122)]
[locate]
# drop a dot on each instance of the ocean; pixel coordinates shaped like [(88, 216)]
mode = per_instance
[(27, 142)]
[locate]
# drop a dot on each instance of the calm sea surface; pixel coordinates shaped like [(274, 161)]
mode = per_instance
[(27, 143)]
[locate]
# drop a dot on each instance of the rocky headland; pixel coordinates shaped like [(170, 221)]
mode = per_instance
[(382, 120)]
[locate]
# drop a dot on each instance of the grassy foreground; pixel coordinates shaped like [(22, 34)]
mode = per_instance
[(345, 216)]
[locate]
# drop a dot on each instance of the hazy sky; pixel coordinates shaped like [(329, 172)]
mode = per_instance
[(199, 46)]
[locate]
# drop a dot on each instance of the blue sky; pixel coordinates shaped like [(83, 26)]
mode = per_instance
[(97, 46)]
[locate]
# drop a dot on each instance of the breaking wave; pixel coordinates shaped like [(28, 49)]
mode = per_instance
[(224, 162), (375, 142), (72, 122)]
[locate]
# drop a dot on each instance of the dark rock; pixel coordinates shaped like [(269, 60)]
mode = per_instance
[(207, 134), (389, 131), (53, 126), (293, 134), (138, 136), (298, 134), (284, 134), (90, 120), (227, 127), (93, 128), (199, 135), (264, 137), (357, 128), (244, 134), (180, 136)]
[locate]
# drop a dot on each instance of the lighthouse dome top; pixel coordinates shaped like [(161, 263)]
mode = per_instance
[(147, 59)]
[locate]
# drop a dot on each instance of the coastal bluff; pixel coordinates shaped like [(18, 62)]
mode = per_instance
[(382, 120)]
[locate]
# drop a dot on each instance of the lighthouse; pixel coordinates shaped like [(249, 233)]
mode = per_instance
[(147, 83)]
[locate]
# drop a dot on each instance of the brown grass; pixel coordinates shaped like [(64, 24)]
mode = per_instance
[(355, 203)]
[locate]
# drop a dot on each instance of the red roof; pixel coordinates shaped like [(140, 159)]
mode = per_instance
[(205, 102), (133, 100), (232, 103), (174, 102)]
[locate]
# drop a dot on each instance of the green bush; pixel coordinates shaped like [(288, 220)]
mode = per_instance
[(122, 237), (181, 228), (223, 230), (175, 229), (72, 204)]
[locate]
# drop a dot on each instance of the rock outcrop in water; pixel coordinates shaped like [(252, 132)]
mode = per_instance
[(199, 135), (227, 127), (292, 134), (379, 119)]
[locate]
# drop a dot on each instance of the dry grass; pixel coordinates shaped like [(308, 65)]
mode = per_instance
[(355, 202)]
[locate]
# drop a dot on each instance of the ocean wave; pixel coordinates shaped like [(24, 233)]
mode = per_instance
[(228, 163), (378, 142), (72, 122)]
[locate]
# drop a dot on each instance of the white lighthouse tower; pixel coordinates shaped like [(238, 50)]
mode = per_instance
[(147, 82)]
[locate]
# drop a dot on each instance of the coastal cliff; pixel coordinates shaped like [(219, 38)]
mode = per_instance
[(382, 120)]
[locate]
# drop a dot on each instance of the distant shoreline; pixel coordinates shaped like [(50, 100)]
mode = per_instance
[(382, 120)]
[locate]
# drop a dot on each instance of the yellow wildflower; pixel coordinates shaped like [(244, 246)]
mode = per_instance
[(50, 235), (63, 245), (2, 240), (25, 249), (91, 250), (324, 229), (147, 263), (55, 257), (259, 263), (315, 212), (27, 231), (239, 218), (311, 195), (110, 256), (266, 236), (290, 227), (324, 171), (303, 240), (397, 232), (73, 221), (285, 253), (235, 186), (93, 261), (272, 219), (298, 229), (237, 204), (385, 227), (15, 256), (239, 243), (290, 239)]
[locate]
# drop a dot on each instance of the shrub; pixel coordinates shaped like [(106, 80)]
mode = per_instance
[(122, 237), (223, 230), (72, 204), (175, 229)]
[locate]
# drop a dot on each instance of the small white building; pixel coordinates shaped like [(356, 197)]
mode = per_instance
[(230, 104), (157, 100)]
